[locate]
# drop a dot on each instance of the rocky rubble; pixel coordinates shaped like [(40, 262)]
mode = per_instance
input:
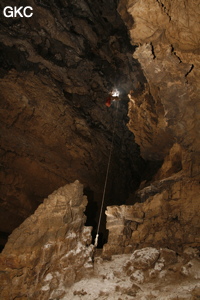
[(148, 273), (50, 250)]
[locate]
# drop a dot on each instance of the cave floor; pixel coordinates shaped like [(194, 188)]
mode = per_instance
[(109, 281)]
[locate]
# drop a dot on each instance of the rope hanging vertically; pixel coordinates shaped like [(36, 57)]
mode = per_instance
[(106, 178)]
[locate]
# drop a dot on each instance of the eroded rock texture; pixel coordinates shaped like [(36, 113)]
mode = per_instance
[(165, 120), (168, 110), (57, 69), (50, 250), (168, 217)]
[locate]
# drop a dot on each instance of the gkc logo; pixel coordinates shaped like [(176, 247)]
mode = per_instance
[(13, 12)]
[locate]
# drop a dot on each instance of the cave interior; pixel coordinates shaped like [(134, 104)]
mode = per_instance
[(57, 70)]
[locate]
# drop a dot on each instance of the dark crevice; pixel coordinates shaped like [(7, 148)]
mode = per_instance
[(190, 70), (164, 8), (152, 49)]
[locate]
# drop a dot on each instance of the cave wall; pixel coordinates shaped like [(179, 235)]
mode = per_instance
[(169, 217), (164, 118), (168, 110), (50, 250), (56, 71)]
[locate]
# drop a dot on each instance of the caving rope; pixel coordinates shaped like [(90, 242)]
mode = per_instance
[(106, 178)]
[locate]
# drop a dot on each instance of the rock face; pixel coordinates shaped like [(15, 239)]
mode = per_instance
[(168, 217), (50, 250), (165, 121), (57, 69), (168, 110)]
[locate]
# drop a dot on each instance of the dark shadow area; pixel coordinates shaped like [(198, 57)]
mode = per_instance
[(3, 239), (91, 211)]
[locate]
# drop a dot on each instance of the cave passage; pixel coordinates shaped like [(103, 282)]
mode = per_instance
[(58, 68), (95, 211)]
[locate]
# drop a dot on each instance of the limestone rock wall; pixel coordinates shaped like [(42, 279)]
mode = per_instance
[(56, 71), (165, 120), (50, 250), (168, 217), (167, 34), (173, 113)]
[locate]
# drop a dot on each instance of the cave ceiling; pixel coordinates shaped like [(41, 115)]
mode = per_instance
[(56, 71)]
